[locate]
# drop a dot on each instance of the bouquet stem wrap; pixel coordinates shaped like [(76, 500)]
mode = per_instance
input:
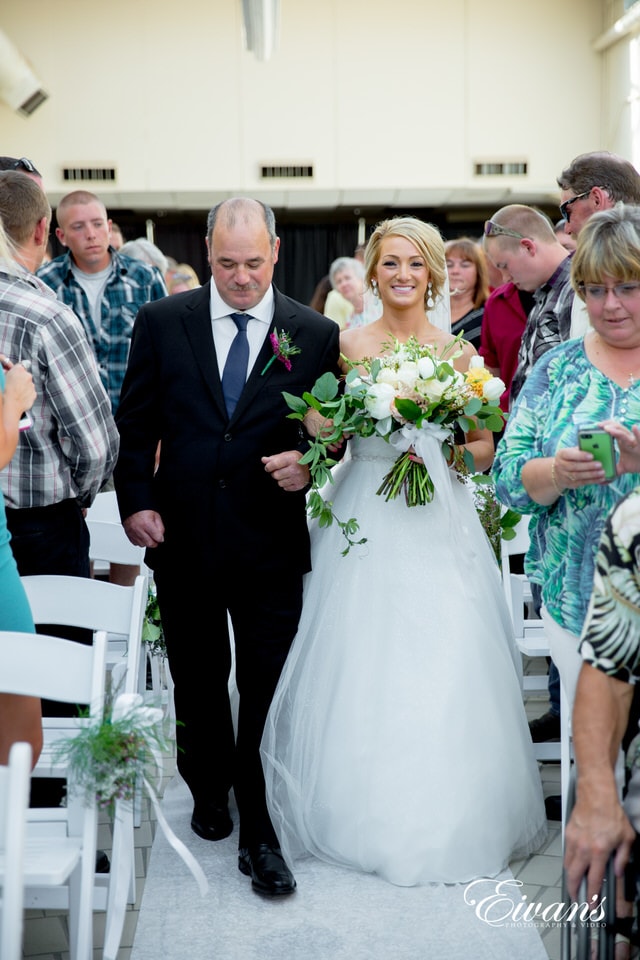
[(417, 479)]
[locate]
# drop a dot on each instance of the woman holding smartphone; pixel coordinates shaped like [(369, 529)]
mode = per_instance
[(579, 394), (20, 717)]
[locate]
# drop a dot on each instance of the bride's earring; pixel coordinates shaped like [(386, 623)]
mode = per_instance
[(374, 288), (430, 301)]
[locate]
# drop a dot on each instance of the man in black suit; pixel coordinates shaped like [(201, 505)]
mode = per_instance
[(223, 517)]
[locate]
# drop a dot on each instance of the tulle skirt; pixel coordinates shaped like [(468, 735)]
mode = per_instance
[(397, 741)]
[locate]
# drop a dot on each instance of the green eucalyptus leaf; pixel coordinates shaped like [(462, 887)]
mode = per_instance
[(326, 388)]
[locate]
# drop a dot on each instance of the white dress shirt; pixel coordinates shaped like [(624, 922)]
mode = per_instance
[(225, 329)]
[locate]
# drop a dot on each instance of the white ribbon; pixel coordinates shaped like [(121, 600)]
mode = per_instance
[(149, 717), (178, 845), (427, 442), (121, 868)]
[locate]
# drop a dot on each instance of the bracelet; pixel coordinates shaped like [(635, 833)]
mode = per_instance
[(553, 478)]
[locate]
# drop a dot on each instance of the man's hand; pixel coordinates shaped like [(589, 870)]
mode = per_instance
[(598, 824), (145, 528), (286, 471), (595, 830)]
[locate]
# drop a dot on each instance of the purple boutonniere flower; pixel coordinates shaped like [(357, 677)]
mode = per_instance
[(283, 349)]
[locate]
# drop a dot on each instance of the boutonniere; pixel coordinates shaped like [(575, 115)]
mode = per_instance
[(283, 349)]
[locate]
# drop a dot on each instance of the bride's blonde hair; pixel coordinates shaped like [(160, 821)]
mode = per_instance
[(425, 237)]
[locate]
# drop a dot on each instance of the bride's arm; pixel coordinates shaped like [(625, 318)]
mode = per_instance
[(479, 443)]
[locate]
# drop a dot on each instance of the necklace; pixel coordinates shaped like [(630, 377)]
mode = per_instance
[(612, 361)]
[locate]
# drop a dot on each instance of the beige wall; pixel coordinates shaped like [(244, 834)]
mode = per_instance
[(392, 101)]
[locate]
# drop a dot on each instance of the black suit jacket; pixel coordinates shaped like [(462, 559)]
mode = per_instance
[(218, 504)]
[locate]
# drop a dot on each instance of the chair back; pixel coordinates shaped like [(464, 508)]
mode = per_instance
[(109, 542), (14, 803), (95, 605), (36, 665)]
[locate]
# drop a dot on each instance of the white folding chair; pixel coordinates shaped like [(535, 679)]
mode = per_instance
[(532, 642), (14, 803), (97, 605), (118, 610), (60, 851), (110, 544)]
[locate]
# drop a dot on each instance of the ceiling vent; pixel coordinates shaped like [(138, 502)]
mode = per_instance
[(501, 168), (94, 174), (286, 171)]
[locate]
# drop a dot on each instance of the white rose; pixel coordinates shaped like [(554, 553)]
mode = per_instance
[(378, 400), (625, 520), (476, 362), (387, 375), (433, 389), (426, 368), (493, 389), (408, 373)]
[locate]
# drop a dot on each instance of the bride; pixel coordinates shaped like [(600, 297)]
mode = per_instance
[(397, 741)]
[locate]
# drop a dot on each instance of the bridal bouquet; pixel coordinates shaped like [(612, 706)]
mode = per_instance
[(410, 393)]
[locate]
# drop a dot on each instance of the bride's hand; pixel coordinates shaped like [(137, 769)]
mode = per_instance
[(318, 426), (413, 457)]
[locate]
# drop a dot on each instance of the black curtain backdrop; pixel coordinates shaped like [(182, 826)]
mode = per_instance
[(306, 249), (306, 253), (310, 240)]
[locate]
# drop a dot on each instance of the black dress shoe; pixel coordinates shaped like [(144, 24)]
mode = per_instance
[(211, 822), (544, 728), (267, 869)]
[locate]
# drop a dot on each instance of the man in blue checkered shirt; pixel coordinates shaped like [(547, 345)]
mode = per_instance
[(104, 288)]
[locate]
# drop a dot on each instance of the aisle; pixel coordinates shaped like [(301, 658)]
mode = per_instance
[(334, 915)]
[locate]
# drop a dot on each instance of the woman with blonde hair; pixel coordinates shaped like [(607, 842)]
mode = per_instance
[(371, 761)]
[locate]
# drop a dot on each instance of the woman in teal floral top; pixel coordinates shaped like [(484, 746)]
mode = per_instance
[(539, 469)]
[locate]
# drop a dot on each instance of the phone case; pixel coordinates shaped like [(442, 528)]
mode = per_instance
[(600, 444)]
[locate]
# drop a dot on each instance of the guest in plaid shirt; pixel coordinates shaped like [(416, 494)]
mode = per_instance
[(70, 450), (104, 288)]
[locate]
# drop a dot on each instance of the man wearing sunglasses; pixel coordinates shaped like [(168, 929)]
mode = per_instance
[(594, 182), (591, 183), (522, 244)]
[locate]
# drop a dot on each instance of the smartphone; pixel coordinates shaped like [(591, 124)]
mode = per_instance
[(25, 422), (600, 444)]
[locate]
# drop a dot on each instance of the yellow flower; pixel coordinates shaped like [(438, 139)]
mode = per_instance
[(476, 377)]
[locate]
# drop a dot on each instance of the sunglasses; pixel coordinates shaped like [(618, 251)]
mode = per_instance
[(493, 229), (25, 165), (564, 207)]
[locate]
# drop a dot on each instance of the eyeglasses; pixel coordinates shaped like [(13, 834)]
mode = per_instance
[(598, 291), (25, 164), (493, 229), (564, 207)]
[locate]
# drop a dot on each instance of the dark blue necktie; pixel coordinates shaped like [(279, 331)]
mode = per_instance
[(234, 375)]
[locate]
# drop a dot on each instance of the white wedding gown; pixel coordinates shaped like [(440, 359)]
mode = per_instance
[(397, 741)]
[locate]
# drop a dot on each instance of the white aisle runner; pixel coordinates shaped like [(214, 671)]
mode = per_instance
[(335, 914)]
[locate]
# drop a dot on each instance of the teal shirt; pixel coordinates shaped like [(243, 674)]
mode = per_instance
[(4, 533), (563, 392)]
